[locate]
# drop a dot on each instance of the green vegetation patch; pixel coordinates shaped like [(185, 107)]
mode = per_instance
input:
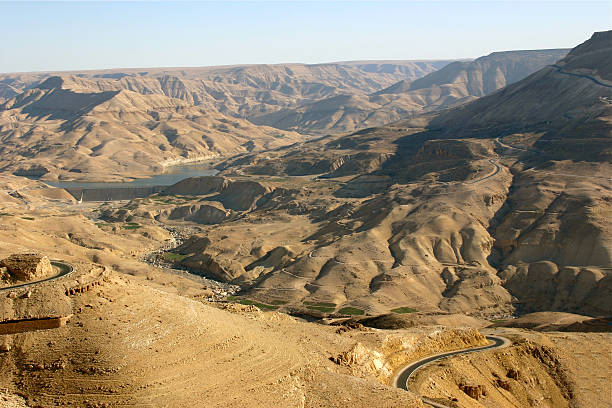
[(131, 225), (321, 304), (5, 214), (404, 309), (249, 302), (174, 257), (279, 302), (324, 309), (351, 311), (28, 218)]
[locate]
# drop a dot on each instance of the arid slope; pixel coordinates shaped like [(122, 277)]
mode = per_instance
[(456, 83), (239, 91), (436, 213), (59, 130)]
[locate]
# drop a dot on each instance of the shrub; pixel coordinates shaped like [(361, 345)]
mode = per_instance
[(351, 311), (174, 257)]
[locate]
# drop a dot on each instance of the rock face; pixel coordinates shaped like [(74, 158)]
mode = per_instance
[(200, 213), (27, 325), (198, 186), (27, 267), (568, 102), (4, 274), (474, 391)]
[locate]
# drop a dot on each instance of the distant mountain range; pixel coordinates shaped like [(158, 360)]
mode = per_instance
[(241, 90), (456, 83), (115, 123), (311, 99), (568, 104), (132, 121), (59, 129)]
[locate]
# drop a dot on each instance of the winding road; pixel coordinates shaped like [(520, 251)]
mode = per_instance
[(64, 270), (404, 374), (496, 170), (595, 80)]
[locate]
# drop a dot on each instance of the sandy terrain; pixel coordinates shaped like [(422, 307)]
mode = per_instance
[(338, 260)]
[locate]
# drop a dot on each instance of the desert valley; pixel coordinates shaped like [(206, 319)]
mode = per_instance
[(309, 235)]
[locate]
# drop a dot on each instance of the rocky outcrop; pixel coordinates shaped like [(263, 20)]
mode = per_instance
[(197, 186), (27, 325), (4, 275), (397, 350), (218, 268), (27, 267), (473, 391), (233, 195), (241, 195), (201, 213)]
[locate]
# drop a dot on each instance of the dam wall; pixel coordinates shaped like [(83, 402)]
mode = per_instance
[(114, 193)]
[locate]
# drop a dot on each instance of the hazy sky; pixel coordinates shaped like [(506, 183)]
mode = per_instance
[(91, 35)]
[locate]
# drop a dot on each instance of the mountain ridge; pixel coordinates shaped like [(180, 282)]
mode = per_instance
[(455, 83), (60, 131)]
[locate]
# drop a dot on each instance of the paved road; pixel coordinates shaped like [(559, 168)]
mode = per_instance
[(401, 379), (488, 176), (597, 81), (64, 270), (507, 146)]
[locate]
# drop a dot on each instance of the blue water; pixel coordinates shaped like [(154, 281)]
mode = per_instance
[(172, 176)]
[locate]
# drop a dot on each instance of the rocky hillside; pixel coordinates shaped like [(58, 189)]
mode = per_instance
[(456, 83), (436, 213), (239, 91), (120, 124), (63, 129), (567, 106), (134, 334), (484, 75)]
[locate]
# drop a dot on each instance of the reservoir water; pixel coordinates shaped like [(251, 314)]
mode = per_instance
[(110, 191), (172, 176)]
